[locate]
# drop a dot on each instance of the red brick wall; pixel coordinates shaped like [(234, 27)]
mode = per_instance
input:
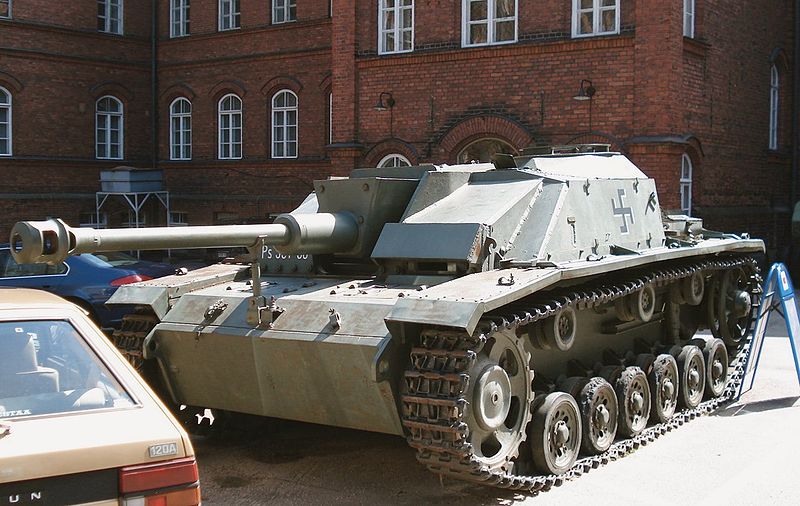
[(658, 96)]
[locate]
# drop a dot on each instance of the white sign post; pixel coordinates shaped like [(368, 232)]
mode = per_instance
[(778, 283)]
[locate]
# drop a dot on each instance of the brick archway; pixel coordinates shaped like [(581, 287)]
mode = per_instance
[(477, 127)]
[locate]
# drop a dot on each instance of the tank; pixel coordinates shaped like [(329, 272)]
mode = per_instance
[(519, 323)]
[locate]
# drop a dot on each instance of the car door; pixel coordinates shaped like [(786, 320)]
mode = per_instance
[(45, 276)]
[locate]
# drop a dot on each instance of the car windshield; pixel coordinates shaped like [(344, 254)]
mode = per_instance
[(46, 367), (111, 259)]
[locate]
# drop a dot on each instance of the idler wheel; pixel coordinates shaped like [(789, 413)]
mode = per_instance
[(691, 374), (733, 307), (499, 401), (663, 381), (556, 434), (693, 288), (716, 359), (633, 397), (599, 413), (559, 329)]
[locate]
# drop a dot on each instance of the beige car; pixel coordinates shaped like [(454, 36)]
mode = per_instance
[(77, 424)]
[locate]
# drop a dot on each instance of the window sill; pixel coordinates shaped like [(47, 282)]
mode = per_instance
[(778, 155), (391, 53), (488, 44), (590, 35), (695, 46)]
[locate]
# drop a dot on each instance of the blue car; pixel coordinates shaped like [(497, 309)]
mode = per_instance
[(87, 280)]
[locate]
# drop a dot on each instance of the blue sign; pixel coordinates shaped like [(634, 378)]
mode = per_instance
[(778, 283)]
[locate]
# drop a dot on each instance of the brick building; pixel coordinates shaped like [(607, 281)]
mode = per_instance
[(242, 103)]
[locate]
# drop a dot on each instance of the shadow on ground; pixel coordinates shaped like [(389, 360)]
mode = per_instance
[(759, 406)]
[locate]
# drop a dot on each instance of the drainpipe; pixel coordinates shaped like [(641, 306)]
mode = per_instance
[(154, 83)]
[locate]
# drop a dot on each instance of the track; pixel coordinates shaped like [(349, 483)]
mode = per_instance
[(436, 384)]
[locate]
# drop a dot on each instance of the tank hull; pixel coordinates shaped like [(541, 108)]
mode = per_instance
[(306, 368)]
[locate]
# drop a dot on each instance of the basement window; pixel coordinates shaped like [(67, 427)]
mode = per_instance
[(92, 220), (178, 219)]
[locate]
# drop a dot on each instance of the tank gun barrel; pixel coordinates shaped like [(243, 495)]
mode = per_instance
[(52, 241)]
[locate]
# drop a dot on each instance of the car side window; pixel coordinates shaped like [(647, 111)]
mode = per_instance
[(9, 268)]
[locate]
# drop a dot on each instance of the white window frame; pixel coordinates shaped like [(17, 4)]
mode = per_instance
[(596, 10), (103, 151), (180, 123), (8, 14), (230, 143), (7, 104), (179, 18), (230, 20), (287, 10), (394, 157), (686, 184), (688, 18), (178, 219), (281, 124), (397, 30), (774, 99), (108, 20), (490, 21), (131, 221)]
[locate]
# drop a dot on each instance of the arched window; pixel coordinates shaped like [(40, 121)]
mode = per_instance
[(284, 125), (5, 122), (686, 184), (394, 160), (483, 149), (109, 128), (180, 129), (774, 91), (230, 127)]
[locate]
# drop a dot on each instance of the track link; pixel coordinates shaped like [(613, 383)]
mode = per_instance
[(436, 383), (129, 339)]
